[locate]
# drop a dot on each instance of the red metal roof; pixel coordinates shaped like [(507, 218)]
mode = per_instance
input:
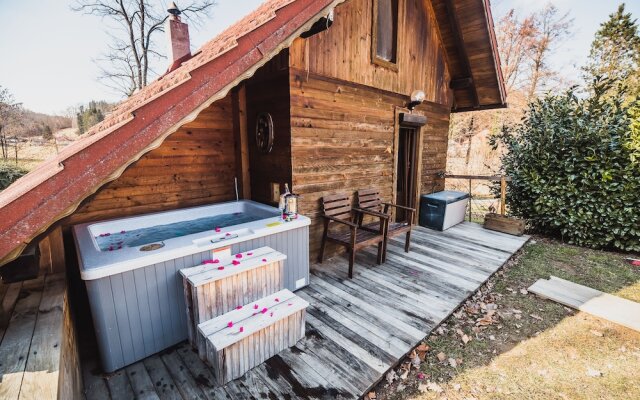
[(140, 123)]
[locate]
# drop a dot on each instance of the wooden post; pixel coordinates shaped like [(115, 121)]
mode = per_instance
[(56, 247), (503, 194)]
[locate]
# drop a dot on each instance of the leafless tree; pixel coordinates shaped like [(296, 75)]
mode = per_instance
[(551, 29), (126, 66), (9, 116), (516, 37)]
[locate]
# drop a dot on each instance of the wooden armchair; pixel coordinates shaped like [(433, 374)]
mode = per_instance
[(369, 200), (337, 210)]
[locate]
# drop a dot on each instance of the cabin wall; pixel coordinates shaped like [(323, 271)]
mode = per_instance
[(195, 165), (344, 108), (343, 140), (268, 91), (344, 51)]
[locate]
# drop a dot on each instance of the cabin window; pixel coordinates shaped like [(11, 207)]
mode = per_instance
[(385, 32)]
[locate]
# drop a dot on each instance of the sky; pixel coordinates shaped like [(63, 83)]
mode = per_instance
[(47, 51)]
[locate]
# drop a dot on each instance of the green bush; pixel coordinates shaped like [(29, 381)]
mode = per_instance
[(575, 168), (10, 173)]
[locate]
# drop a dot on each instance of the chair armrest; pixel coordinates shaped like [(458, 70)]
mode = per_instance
[(397, 206), (340, 221), (374, 213)]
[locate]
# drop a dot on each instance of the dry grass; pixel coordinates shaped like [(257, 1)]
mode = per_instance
[(537, 349)]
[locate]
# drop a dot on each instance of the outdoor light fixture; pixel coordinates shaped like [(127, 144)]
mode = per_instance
[(417, 97)]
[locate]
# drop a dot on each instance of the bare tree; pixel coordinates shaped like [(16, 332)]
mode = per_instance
[(127, 64), (516, 38), (9, 116), (551, 29)]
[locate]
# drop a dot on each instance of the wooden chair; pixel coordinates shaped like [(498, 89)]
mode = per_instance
[(369, 200), (337, 209)]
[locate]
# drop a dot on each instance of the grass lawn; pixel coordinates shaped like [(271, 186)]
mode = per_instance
[(527, 347)]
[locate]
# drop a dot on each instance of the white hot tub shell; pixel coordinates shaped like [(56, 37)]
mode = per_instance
[(136, 297)]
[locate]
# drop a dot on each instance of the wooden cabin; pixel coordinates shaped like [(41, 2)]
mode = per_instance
[(333, 77)]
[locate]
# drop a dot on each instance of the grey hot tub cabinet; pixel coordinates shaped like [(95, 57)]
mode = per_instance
[(141, 312)]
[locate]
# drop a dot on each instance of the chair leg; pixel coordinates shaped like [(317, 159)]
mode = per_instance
[(407, 242), (352, 260), (381, 252), (323, 244)]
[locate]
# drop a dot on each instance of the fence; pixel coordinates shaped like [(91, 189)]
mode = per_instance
[(481, 197)]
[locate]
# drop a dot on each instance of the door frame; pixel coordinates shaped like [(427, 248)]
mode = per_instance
[(419, 152)]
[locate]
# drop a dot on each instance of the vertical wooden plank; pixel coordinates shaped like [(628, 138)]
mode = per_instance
[(45, 255), (56, 246), (242, 142)]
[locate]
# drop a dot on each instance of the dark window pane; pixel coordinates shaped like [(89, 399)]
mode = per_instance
[(387, 28)]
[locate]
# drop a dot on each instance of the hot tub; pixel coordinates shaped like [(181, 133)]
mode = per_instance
[(130, 268)]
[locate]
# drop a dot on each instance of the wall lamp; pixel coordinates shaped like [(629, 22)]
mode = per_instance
[(417, 97)]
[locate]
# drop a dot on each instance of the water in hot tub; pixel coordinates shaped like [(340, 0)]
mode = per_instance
[(110, 241)]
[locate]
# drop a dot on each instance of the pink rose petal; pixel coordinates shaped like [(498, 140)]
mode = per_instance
[(264, 310), (235, 262), (255, 306), (239, 308), (215, 261), (241, 329), (277, 299), (220, 268), (249, 254), (218, 229), (227, 234), (264, 260), (271, 315), (238, 255), (230, 324)]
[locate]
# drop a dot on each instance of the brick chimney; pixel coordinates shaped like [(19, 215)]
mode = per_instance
[(178, 35)]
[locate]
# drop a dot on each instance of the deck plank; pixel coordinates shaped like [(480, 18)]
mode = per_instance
[(356, 328), (161, 378)]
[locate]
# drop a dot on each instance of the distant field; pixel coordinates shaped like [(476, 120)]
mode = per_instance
[(36, 149)]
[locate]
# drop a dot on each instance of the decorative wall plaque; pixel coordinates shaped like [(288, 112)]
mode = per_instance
[(264, 132)]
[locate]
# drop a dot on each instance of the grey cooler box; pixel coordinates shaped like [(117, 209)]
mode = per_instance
[(442, 210)]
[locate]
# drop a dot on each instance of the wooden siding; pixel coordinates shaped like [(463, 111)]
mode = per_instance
[(268, 91), (343, 137), (344, 51), (194, 166)]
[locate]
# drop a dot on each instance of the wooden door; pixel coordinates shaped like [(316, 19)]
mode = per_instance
[(406, 170)]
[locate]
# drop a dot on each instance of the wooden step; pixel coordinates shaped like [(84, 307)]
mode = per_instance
[(246, 337), (213, 289)]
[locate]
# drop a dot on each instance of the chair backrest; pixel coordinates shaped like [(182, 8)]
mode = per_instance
[(369, 199), (337, 205)]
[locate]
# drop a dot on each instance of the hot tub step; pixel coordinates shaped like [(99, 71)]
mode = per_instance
[(215, 288), (244, 338)]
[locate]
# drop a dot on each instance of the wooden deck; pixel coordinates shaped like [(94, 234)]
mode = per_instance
[(356, 329)]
